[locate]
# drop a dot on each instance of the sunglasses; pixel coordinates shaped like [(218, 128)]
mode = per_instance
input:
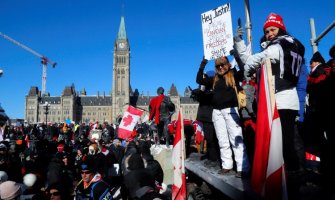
[(220, 65), (86, 172), (54, 194)]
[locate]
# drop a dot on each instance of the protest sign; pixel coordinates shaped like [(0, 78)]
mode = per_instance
[(217, 32)]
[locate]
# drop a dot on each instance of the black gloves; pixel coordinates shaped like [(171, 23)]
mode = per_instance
[(203, 63), (239, 34), (251, 72)]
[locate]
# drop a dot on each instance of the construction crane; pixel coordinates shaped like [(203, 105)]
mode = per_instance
[(44, 60)]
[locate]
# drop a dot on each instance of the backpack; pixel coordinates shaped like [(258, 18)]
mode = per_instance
[(170, 105), (166, 109)]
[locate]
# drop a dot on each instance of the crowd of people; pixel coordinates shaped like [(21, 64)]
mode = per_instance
[(65, 161), (62, 161)]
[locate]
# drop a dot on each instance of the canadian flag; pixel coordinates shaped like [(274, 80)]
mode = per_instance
[(199, 132), (268, 173), (312, 157), (128, 122), (178, 160)]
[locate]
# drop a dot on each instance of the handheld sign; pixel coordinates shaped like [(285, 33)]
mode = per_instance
[(217, 32)]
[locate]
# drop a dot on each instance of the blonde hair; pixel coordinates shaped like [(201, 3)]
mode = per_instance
[(229, 76)]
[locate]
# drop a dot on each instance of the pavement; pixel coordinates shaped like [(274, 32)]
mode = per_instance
[(311, 184)]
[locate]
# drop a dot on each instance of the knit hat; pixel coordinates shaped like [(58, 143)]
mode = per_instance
[(3, 176), (29, 179), (60, 148), (317, 57), (274, 20), (88, 164), (9, 190), (332, 52)]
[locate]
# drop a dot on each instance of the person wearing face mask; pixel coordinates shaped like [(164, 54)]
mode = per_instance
[(225, 116), (286, 54)]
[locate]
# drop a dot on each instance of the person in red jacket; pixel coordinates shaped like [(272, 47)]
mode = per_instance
[(320, 89)]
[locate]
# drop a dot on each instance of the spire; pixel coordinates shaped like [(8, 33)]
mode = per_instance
[(122, 30)]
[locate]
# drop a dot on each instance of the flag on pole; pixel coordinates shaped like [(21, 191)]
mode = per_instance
[(268, 173), (128, 122), (178, 160)]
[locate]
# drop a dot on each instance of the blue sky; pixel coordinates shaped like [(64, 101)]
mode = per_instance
[(165, 39)]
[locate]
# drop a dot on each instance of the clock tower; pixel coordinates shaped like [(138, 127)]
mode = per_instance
[(121, 73)]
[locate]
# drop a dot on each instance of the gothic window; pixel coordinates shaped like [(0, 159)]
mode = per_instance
[(118, 71), (122, 72)]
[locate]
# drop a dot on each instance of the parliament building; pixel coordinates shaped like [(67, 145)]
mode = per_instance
[(79, 107)]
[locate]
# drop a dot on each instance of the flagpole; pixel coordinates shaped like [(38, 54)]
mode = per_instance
[(270, 82), (248, 23)]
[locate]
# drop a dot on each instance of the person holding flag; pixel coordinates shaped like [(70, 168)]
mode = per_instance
[(286, 54), (128, 122)]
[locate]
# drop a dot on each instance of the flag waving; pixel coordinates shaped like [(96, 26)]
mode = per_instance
[(178, 160), (128, 122), (268, 173)]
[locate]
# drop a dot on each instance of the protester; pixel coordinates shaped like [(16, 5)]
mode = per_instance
[(161, 109), (55, 192), (204, 115), (3, 176), (33, 188), (286, 54), (150, 163), (10, 190), (92, 186), (225, 116), (139, 181), (320, 127)]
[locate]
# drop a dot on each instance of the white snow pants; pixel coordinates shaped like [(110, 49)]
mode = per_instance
[(229, 134)]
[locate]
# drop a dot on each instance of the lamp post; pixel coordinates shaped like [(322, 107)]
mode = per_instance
[(46, 108)]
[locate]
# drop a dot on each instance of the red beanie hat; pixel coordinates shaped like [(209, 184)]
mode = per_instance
[(274, 20), (60, 148)]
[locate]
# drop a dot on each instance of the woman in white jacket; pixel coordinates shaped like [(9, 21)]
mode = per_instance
[(286, 54)]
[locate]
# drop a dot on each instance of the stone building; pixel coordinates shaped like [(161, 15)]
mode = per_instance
[(79, 107)]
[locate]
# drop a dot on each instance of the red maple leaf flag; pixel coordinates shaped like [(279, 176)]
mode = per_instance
[(268, 172), (199, 133), (128, 122), (178, 160)]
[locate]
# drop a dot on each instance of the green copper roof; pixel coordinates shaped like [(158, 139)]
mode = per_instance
[(122, 30)]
